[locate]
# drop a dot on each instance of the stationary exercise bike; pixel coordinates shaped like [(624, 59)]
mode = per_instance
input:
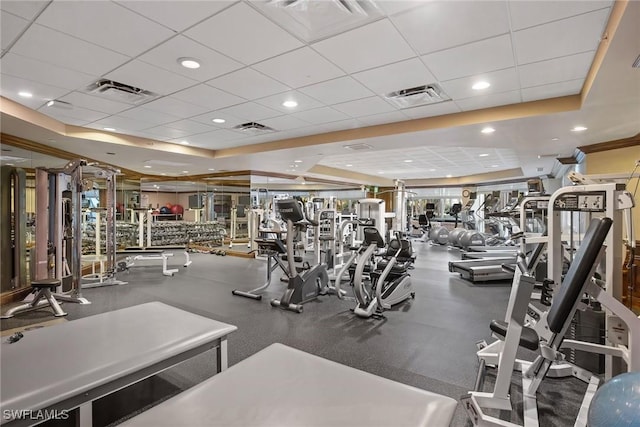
[(303, 286), (390, 282)]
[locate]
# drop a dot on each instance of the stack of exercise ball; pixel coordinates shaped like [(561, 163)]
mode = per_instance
[(170, 209)]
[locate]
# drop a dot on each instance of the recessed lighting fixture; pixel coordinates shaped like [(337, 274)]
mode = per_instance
[(185, 171), (555, 139), (109, 129), (488, 129), (348, 165), (25, 94), (290, 104), (10, 164), (147, 166), (578, 129), (432, 170), (480, 85), (303, 183), (381, 173), (184, 142), (408, 161), (483, 155), (218, 120), (449, 176), (163, 173), (191, 63), (211, 169), (50, 103), (494, 166), (297, 161)]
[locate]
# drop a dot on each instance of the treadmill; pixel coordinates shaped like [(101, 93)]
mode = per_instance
[(490, 269)]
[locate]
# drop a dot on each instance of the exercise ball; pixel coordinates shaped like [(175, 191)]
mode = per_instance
[(177, 209), (454, 235), (168, 206), (471, 238), (617, 402), (439, 235), (165, 210)]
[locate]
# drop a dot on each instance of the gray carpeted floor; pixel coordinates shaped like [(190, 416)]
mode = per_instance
[(428, 342)]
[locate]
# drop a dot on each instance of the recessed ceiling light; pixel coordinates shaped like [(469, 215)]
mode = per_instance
[(408, 161), (10, 164), (191, 63), (432, 170), (449, 176), (290, 104), (50, 103), (480, 85), (297, 161), (483, 155), (578, 129), (218, 120), (109, 129), (211, 169), (147, 166), (25, 94), (163, 173), (348, 165), (185, 171), (494, 166), (488, 129), (381, 172), (555, 139), (184, 142)]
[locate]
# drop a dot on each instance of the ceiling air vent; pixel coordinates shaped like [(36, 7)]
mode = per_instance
[(253, 128), (419, 95), (636, 63), (358, 147), (120, 92)]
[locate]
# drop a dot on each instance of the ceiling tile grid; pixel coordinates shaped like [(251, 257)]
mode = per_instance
[(336, 91), (37, 71), (12, 26)]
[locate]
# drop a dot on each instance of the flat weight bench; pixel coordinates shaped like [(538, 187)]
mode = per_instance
[(187, 259), (68, 366), (149, 255), (43, 297), (282, 386)]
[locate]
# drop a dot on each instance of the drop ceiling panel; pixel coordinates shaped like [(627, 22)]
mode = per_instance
[(471, 59), (443, 24), (320, 115), (12, 26), (248, 84), (301, 67), (177, 15), (243, 34), (401, 75), (556, 70), (212, 63), (61, 117), (230, 121), (149, 77), (250, 111), (529, 13), (283, 123), (487, 101), (106, 24), (431, 110), (364, 107), (175, 107), (207, 96), (10, 86), (53, 47), (338, 90), (120, 124), (501, 81), (152, 117), (167, 132), (95, 103), (80, 114), (375, 44), (378, 119), (392, 7), (553, 90), (24, 9), (31, 69), (275, 101), (565, 37), (190, 126), (213, 139)]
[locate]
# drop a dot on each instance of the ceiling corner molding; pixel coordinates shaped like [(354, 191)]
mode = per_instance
[(631, 141), (360, 178), (477, 179), (617, 11), (571, 160), (26, 114)]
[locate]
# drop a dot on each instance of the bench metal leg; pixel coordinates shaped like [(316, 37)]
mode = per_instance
[(85, 415), (221, 350), (187, 261), (165, 270), (57, 310)]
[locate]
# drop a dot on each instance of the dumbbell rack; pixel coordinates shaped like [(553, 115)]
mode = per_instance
[(184, 233), (125, 236)]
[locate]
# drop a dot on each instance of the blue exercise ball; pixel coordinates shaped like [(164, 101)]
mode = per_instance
[(165, 210), (617, 402)]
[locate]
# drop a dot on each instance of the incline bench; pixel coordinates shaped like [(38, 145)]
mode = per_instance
[(282, 386), (68, 366)]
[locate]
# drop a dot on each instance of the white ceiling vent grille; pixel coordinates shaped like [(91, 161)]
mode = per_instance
[(636, 63), (120, 92), (358, 147), (312, 20), (419, 95), (253, 128)]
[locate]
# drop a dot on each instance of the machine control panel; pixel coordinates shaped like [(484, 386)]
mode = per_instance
[(593, 201)]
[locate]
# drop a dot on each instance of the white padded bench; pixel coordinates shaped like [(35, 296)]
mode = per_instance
[(69, 365), (282, 386)]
